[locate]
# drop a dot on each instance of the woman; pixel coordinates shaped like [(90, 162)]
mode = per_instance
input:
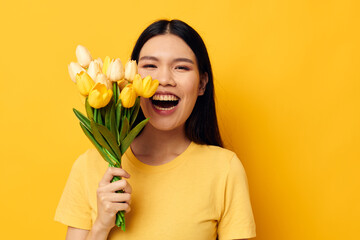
[(183, 184)]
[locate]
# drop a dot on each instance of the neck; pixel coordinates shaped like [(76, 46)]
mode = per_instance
[(156, 147)]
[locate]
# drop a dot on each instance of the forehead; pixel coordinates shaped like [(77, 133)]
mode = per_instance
[(167, 46)]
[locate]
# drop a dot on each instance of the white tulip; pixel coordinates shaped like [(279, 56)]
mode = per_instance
[(74, 68), (101, 78), (130, 70), (115, 70), (94, 69), (99, 61), (83, 56)]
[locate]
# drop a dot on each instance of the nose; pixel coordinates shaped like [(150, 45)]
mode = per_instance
[(165, 77)]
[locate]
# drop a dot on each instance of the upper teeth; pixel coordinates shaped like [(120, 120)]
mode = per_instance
[(162, 97)]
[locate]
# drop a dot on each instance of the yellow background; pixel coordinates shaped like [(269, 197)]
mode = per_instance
[(288, 92)]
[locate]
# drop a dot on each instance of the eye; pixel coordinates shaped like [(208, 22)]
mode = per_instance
[(149, 66), (183, 68)]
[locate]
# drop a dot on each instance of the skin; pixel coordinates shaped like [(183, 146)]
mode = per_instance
[(170, 60)]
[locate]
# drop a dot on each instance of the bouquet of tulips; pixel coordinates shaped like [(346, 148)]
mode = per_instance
[(112, 103)]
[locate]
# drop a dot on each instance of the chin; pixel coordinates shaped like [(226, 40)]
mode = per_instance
[(165, 126)]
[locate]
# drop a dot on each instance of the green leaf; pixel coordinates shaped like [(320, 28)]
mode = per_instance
[(115, 91), (89, 109), (109, 138), (95, 114), (128, 114), (117, 160), (135, 111), (120, 220), (99, 117), (131, 136), (97, 145), (124, 128), (84, 120), (118, 110), (103, 112), (99, 137), (112, 119), (107, 114)]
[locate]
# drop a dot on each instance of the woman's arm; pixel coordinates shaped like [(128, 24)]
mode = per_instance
[(76, 233), (108, 204), (82, 234)]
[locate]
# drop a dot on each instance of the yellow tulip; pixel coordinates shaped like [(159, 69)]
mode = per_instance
[(74, 68), (130, 70), (115, 70), (83, 56), (145, 87), (128, 96), (84, 83), (99, 96), (106, 64)]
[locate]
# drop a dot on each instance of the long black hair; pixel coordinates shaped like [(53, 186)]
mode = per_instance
[(201, 126)]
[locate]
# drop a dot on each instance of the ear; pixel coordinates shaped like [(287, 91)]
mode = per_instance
[(204, 78)]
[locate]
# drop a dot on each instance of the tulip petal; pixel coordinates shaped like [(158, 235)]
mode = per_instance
[(99, 96), (128, 96), (152, 89), (83, 56), (84, 83), (106, 64), (74, 68), (130, 70), (94, 69), (115, 71), (137, 83)]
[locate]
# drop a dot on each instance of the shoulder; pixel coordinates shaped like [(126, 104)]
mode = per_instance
[(89, 157), (214, 153), (218, 158), (89, 163)]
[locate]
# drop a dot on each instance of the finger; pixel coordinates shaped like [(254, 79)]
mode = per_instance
[(113, 208), (122, 207), (110, 173), (118, 185), (115, 186), (127, 188), (115, 197)]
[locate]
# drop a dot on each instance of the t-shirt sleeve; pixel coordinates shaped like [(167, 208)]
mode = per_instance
[(237, 221), (74, 209)]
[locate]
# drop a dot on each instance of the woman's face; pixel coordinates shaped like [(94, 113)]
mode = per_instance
[(170, 60)]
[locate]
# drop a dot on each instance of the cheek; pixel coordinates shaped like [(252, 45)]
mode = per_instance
[(192, 88), (143, 73), (144, 103)]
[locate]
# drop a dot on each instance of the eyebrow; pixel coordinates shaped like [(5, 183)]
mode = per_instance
[(175, 60)]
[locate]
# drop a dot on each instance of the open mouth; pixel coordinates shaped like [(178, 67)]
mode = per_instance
[(164, 101)]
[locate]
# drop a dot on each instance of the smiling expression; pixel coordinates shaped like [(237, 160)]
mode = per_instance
[(170, 60)]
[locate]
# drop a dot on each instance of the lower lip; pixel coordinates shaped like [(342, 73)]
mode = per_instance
[(162, 111)]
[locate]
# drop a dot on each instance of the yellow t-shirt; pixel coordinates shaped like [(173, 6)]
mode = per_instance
[(201, 194)]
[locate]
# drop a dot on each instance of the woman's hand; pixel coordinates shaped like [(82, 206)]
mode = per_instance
[(109, 202)]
